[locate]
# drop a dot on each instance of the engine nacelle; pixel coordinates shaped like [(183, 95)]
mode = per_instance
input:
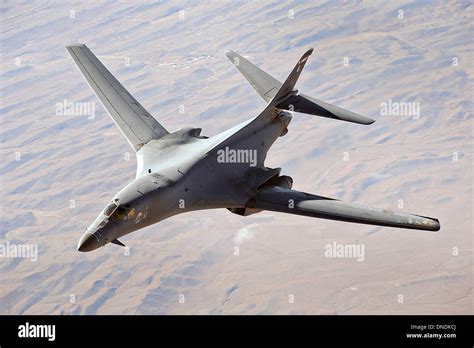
[(284, 181)]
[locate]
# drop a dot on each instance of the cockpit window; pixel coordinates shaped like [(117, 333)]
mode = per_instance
[(110, 209), (119, 214), (123, 213)]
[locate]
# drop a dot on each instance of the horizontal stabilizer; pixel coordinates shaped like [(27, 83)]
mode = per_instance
[(268, 87), (265, 85), (285, 200), (312, 106)]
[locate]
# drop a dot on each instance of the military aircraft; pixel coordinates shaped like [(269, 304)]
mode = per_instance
[(185, 171)]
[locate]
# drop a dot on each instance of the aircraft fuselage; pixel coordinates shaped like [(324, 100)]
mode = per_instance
[(184, 171)]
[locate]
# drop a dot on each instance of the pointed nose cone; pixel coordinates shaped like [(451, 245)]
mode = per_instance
[(88, 242)]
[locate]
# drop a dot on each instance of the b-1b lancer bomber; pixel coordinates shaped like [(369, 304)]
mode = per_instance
[(185, 171)]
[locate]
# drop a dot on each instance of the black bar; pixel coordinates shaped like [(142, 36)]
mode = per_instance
[(224, 330)]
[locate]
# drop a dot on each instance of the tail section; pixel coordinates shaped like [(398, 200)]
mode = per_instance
[(288, 88), (285, 96)]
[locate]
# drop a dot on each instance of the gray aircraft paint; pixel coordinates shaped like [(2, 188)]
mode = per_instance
[(180, 172)]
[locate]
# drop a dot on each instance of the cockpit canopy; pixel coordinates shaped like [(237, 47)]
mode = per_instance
[(120, 213)]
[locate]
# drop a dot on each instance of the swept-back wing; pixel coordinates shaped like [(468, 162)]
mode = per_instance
[(135, 123), (285, 200), (267, 87)]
